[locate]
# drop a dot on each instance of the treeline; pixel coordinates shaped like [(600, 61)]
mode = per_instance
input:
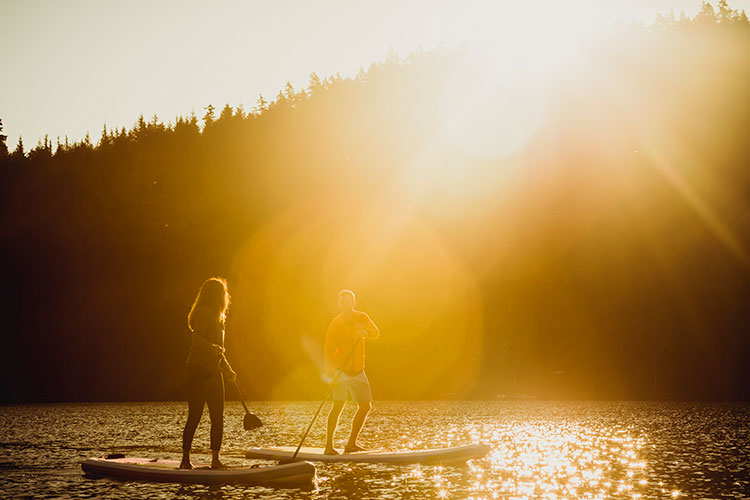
[(612, 261), (722, 17), (708, 17)]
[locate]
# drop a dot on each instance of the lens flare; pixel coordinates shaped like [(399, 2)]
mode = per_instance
[(423, 299)]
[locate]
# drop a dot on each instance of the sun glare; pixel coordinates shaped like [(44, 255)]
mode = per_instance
[(496, 102), (288, 271), (526, 36), (493, 119)]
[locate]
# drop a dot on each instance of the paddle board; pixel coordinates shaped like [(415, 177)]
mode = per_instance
[(454, 455), (167, 471)]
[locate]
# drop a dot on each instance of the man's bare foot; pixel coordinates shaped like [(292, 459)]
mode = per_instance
[(186, 465), (351, 448), (330, 451)]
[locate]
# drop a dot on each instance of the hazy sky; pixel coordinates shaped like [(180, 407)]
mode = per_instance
[(68, 67)]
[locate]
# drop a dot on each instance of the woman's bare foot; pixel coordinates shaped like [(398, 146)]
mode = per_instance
[(330, 451), (185, 464), (351, 448), (215, 462)]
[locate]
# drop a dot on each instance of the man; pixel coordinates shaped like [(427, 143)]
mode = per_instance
[(345, 351)]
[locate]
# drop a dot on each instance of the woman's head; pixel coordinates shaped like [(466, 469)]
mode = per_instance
[(213, 296)]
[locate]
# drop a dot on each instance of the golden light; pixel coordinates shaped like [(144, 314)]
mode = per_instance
[(495, 102), (525, 36), (490, 115), (423, 299)]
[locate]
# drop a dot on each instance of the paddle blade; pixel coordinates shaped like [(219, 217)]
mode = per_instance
[(251, 422)]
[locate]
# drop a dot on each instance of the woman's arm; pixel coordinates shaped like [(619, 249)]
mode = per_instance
[(200, 341), (227, 368)]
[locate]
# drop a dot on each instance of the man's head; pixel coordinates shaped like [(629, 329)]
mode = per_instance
[(346, 300)]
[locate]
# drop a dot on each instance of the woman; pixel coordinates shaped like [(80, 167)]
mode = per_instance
[(205, 365)]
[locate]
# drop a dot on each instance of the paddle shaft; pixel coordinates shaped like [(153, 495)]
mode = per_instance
[(328, 393), (242, 400)]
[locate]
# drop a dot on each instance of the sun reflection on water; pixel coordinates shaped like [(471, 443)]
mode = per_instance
[(555, 462)]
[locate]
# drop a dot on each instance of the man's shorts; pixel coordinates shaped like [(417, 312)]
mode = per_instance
[(357, 385)]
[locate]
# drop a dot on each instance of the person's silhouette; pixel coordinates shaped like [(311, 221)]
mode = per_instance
[(345, 351), (207, 366)]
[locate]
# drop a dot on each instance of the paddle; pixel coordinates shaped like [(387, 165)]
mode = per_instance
[(250, 421), (328, 393)]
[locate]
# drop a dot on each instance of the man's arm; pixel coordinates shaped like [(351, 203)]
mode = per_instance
[(366, 323)]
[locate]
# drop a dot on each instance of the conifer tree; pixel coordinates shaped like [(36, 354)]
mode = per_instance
[(18, 153), (3, 145), (726, 14), (209, 117), (226, 113), (290, 95), (315, 82), (706, 16), (280, 102), (261, 106)]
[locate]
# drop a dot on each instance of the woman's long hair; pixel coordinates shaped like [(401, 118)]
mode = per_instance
[(214, 296)]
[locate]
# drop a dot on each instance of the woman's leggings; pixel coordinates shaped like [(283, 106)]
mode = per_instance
[(204, 388)]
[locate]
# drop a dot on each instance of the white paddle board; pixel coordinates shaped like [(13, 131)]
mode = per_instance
[(168, 471), (454, 455)]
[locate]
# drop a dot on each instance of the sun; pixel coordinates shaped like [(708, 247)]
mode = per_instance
[(526, 37)]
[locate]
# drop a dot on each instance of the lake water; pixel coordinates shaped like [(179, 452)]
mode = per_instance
[(549, 450)]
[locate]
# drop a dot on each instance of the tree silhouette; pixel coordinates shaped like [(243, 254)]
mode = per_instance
[(706, 16), (3, 138), (19, 153), (261, 106), (726, 15), (209, 117)]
